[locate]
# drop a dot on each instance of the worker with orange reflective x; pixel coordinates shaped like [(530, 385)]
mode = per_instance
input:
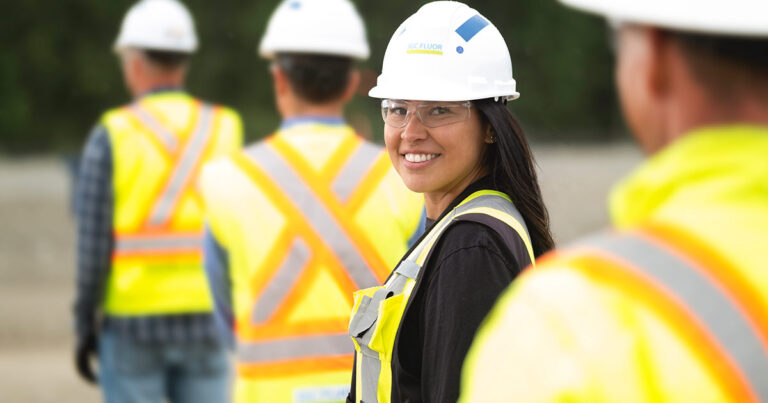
[(302, 219), (142, 298), (671, 305)]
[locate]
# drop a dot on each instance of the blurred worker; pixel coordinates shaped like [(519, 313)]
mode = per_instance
[(301, 220), (142, 296), (671, 305), (445, 83)]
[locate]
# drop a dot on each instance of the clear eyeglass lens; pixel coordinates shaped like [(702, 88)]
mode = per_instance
[(431, 114)]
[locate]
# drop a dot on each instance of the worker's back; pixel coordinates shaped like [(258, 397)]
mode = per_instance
[(670, 304), (143, 305), (159, 143), (306, 217), (669, 308)]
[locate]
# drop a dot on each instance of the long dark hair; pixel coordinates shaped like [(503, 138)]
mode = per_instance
[(510, 163)]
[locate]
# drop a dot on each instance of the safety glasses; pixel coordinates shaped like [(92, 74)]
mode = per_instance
[(397, 113)]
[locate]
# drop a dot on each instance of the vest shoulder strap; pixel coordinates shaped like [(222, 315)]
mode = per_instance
[(490, 208), (699, 293)]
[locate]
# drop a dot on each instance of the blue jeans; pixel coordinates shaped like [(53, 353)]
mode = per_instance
[(135, 372)]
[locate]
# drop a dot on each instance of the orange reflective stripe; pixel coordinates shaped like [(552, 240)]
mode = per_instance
[(355, 169), (285, 279), (377, 172), (159, 130), (163, 122), (315, 212), (738, 289), (159, 255), (340, 213), (293, 348), (299, 366), (273, 260), (612, 272), (148, 133), (339, 157), (210, 148), (160, 244), (364, 190), (297, 226), (183, 169), (323, 259), (171, 156), (208, 152)]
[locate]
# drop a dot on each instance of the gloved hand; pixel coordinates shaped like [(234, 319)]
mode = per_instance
[(87, 346)]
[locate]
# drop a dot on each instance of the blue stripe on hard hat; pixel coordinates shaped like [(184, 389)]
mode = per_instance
[(471, 27)]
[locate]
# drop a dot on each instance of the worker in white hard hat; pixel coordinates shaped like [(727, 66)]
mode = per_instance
[(143, 304), (301, 219), (670, 305), (445, 83)]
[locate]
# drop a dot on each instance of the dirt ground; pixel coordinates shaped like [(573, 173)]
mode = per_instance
[(37, 259)]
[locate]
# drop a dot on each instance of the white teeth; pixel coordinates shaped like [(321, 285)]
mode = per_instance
[(419, 157)]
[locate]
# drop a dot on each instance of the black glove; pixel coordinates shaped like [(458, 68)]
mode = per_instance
[(87, 345)]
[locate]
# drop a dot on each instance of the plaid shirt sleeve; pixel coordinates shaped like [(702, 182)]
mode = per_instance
[(93, 211)]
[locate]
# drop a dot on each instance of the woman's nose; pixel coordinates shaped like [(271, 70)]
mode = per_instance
[(414, 130)]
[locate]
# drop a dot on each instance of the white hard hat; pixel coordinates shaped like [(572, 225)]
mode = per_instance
[(331, 27), (158, 25), (719, 17), (446, 51)]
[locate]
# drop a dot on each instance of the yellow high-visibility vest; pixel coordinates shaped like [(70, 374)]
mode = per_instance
[(158, 144), (306, 217), (378, 311), (671, 307)]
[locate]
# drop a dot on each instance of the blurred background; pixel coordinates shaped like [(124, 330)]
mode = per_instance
[(58, 74)]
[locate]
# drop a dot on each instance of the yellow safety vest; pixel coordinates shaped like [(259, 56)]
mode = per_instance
[(158, 145), (671, 307), (307, 217), (378, 311)]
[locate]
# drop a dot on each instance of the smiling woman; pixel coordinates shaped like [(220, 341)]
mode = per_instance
[(445, 84)]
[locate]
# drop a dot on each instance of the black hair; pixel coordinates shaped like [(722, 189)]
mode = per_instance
[(316, 78), (512, 168), (725, 63)]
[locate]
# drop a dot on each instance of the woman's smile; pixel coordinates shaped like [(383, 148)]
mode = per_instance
[(415, 160)]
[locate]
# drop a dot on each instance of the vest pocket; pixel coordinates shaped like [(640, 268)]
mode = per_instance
[(364, 316), (390, 314)]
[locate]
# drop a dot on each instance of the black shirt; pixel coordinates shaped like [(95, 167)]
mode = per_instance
[(467, 270)]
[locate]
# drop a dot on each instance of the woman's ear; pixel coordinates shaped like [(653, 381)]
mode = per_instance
[(490, 135)]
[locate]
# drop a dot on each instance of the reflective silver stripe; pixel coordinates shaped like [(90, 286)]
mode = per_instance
[(289, 349), (497, 203), (408, 268), (355, 169), (166, 137), (165, 243), (195, 146), (515, 230), (370, 370), (724, 320), (279, 286), (316, 213)]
